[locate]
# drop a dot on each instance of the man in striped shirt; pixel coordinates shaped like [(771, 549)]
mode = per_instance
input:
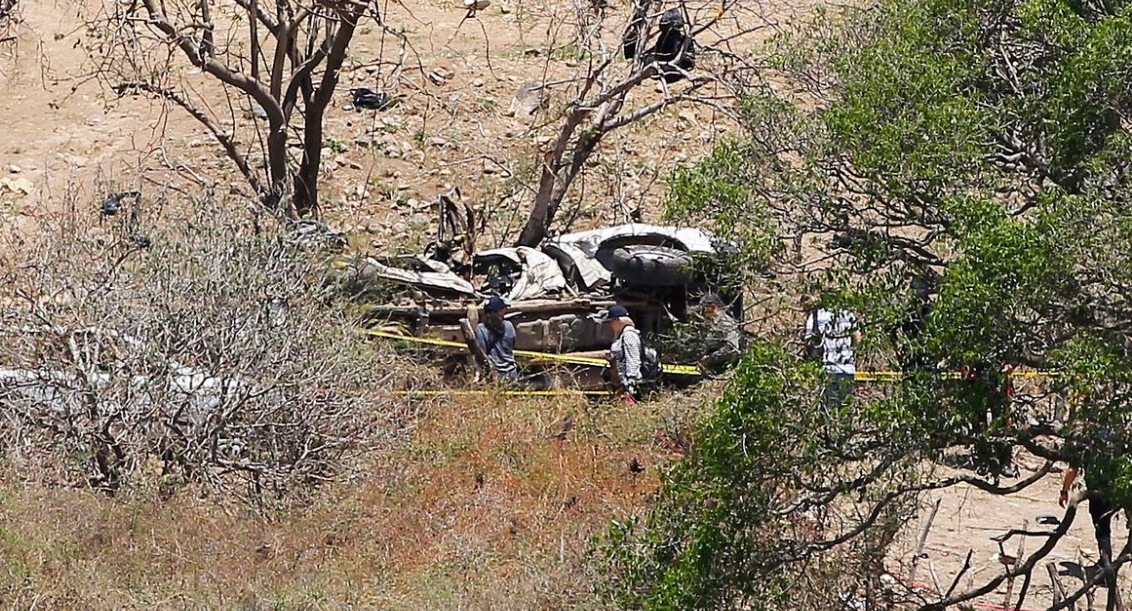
[(625, 353), (837, 331)]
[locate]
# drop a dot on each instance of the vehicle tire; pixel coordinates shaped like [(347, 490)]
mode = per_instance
[(649, 265)]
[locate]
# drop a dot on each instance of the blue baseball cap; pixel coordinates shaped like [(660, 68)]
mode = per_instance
[(614, 313), (495, 304)]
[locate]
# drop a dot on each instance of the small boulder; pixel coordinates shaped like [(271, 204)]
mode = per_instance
[(530, 97)]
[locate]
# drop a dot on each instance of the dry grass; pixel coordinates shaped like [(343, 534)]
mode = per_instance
[(482, 509)]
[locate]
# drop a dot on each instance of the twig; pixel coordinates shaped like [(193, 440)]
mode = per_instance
[(935, 578), (955, 582), (1058, 588), (1011, 573), (922, 539)]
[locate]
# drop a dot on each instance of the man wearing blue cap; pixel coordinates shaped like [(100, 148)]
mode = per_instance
[(625, 353), (497, 338)]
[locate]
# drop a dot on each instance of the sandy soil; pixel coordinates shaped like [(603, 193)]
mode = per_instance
[(66, 133), (969, 520)]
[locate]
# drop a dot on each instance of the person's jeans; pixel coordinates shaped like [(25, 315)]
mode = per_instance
[(839, 386)]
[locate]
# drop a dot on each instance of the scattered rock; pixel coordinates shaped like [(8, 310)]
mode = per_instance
[(477, 82), (532, 52), (418, 220), (15, 169), (477, 5), (18, 186), (258, 112), (99, 235), (439, 76), (398, 228), (373, 228), (530, 97), (77, 161)]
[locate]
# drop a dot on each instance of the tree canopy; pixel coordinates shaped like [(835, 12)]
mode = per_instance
[(964, 164)]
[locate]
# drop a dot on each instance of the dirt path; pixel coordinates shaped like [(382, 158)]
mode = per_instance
[(968, 520)]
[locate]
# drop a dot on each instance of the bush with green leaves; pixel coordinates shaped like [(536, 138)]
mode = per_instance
[(776, 483), (963, 164)]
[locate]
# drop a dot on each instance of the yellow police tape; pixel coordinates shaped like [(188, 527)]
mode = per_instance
[(889, 376), (455, 392), (686, 370), (669, 368)]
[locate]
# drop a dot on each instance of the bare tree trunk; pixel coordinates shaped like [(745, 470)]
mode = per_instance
[(546, 204), (306, 179), (277, 166)]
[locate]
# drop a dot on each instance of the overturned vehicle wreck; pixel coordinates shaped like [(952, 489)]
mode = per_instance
[(556, 294)]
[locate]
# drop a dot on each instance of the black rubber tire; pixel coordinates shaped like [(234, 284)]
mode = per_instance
[(649, 265)]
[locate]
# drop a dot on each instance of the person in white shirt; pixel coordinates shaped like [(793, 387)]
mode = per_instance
[(832, 334)]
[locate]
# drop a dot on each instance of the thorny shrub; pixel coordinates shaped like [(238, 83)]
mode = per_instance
[(208, 349)]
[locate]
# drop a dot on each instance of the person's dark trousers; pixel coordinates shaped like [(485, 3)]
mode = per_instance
[(1101, 512), (839, 386)]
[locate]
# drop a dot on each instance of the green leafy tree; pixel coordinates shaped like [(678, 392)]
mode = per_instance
[(958, 165)]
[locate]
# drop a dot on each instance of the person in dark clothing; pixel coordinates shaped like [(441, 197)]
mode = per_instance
[(988, 392), (1100, 509), (674, 51), (1097, 463), (496, 337), (908, 334), (725, 341)]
